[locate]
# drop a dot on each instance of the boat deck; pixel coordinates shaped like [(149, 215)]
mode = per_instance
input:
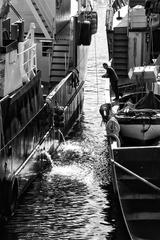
[(121, 21)]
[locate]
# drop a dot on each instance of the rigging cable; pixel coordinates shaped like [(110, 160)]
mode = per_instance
[(97, 85), (95, 46), (151, 35)]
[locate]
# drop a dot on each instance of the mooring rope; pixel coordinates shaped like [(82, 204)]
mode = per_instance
[(97, 85), (153, 186), (136, 176)]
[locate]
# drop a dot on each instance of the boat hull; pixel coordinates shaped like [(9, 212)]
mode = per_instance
[(36, 116), (30, 143), (138, 116), (135, 166), (139, 200), (142, 131)]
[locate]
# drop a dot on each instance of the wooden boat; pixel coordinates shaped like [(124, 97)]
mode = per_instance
[(136, 181), (135, 177), (135, 165), (38, 107)]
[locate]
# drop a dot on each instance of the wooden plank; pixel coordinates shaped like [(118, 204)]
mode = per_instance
[(146, 153), (143, 216), (140, 196), (130, 177)]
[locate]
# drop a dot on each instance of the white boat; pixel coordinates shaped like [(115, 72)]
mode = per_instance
[(138, 115)]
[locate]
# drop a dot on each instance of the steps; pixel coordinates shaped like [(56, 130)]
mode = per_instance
[(133, 3), (120, 53), (59, 60), (39, 15)]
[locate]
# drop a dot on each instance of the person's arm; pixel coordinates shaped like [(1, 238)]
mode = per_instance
[(105, 75)]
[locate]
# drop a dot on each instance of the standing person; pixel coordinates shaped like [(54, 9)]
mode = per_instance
[(110, 73)]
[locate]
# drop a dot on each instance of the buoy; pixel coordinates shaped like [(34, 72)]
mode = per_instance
[(94, 22), (105, 111), (112, 126), (78, 33), (85, 36), (59, 117)]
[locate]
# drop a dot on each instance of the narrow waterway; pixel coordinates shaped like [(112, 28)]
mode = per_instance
[(73, 199)]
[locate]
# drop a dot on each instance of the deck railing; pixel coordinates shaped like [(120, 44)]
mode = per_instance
[(27, 55)]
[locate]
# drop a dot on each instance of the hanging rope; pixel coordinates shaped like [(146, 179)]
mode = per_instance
[(95, 47), (2, 142), (97, 85), (151, 35), (136, 175), (114, 163)]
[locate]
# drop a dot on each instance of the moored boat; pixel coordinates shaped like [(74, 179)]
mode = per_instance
[(136, 182), (133, 48), (38, 107), (135, 164), (138, 115)]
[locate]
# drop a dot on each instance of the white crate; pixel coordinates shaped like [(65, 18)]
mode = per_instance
[(138, 18)]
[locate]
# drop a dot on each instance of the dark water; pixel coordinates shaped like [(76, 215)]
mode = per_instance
[(73, 200)]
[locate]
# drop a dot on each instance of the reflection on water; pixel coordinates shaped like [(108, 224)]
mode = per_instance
[(74, 199)]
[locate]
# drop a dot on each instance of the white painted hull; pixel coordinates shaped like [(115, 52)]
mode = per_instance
[(136, 131)]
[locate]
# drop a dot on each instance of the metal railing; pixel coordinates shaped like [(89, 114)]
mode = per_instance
[(27, 54)]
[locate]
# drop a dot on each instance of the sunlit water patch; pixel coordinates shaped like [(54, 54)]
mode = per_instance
[(66, 203)]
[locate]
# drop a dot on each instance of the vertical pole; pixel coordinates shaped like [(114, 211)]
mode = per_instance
[(54, 19), (75, 40), (79, 6), (21, 31), (1, 33)]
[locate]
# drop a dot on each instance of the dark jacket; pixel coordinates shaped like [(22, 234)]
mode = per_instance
[(112, 74)]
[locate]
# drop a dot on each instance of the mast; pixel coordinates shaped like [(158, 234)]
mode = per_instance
[(4, 9), (79, 6)]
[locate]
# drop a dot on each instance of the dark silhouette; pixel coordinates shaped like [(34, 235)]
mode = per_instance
[(111, 74)]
